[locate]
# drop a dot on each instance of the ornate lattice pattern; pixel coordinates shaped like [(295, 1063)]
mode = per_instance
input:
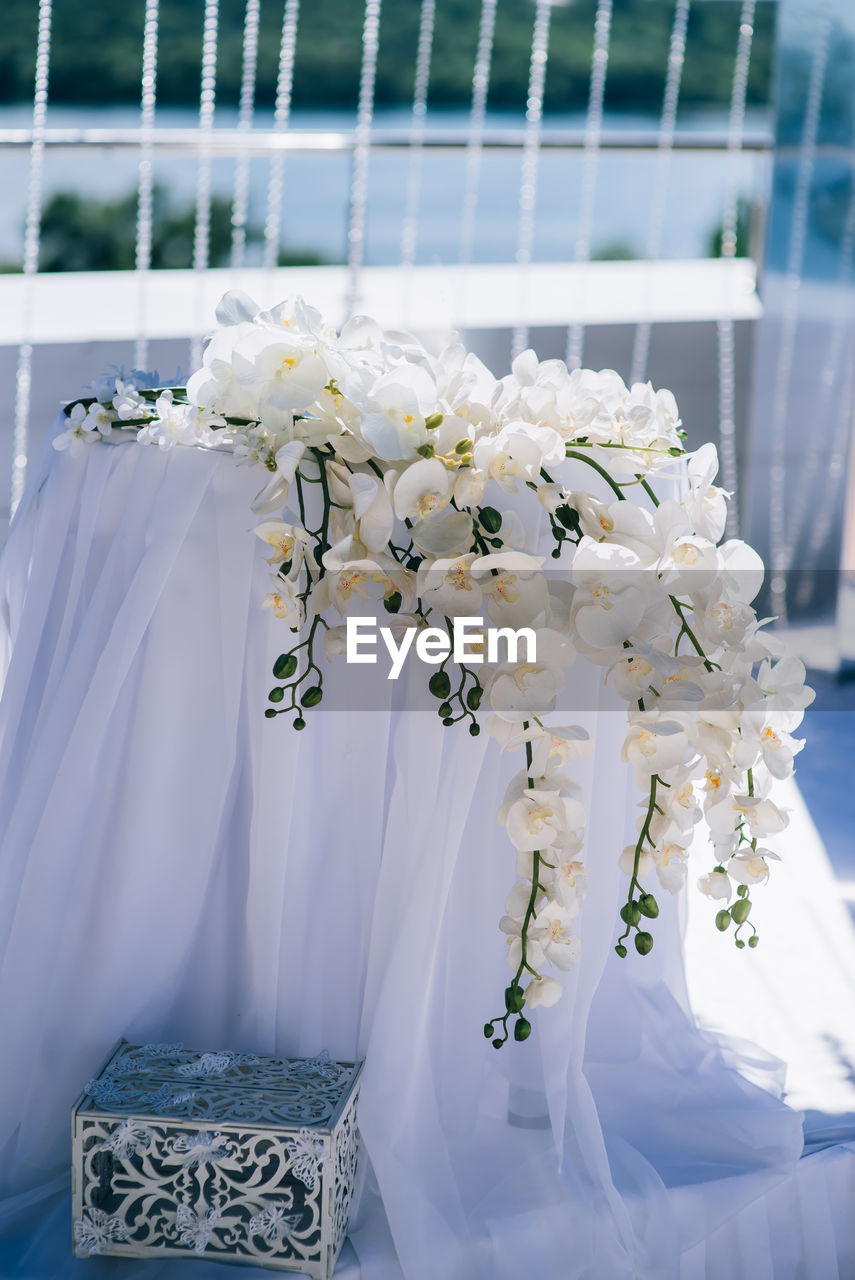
[(202, 1170)]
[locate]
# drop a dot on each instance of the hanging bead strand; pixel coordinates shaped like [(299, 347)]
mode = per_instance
[(145, 185), (729, 246), (361, 155), (207, 102), (665, 150), (281, 120), (590, 162), (475, 132), (32, 238), (409, 234), (240, 194), (790, 316), (530, 165)]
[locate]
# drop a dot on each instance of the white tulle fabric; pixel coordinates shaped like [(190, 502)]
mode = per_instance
[(175, 867)]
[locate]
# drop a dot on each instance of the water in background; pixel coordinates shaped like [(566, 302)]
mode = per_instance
[(315, 207)]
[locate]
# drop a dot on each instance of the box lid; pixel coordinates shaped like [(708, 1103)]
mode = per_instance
[(220, 1086)]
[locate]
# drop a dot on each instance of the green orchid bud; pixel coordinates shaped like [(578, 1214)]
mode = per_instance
[(285, 666), (742, 891), (426, 450), (474, 730), (270, 713), (463, 446), (299, 723), (675, 452), (522, 1029), (393, 602), (440, 684), (740, 910), (568, 516), (648, 906), (722, 921), (448, 722), (312, 696), (740, 944), (643, 942), (433, 421), (496, 542), (754, 941), (474, 696), (444, 710), (276, 695), (488, 1030), (514, 998), (630, 914), (621, 950), (490, 519)]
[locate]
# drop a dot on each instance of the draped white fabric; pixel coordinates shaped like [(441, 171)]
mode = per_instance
[(175, 867)]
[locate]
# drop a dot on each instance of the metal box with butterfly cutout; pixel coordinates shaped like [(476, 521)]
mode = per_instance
[(228, 1156)]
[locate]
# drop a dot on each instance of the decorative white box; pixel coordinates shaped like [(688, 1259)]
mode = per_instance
[(229, 1156)]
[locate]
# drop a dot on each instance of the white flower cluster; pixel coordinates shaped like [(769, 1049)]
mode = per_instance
[(397, 476)]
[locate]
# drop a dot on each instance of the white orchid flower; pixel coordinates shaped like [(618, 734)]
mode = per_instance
[(275, 492), (752, 867), (626, 861), (395, 411), (173, 424), (538, 818), (570, 883), (372, 510), (705, 504), (608, 603), (543, 991), (671, 865), (557, 746), (446, 535), (468, 488), (654, 746), (285, 603), (287, 540), (283, 368), (561, 946), (716, 885), (449, 586), (79, 433), (127, 402), (101, 418), (422, 490)]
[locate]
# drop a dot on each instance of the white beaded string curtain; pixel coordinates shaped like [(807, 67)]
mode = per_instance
[(145, 184), (32, 239), (530, 167), (410, 225), (281, 121), (662, 174), (246, 111), (790, 314), (361, 156), (202, 233), (475, 131), (590, 163), (726, 335)]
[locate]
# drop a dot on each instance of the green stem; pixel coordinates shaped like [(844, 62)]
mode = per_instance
[(644, 835), (613, 485)]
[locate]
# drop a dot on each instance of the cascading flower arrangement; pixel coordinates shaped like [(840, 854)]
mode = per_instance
[(390, 480)]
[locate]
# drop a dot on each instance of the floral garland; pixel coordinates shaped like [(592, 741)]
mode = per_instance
[(395, 465)]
